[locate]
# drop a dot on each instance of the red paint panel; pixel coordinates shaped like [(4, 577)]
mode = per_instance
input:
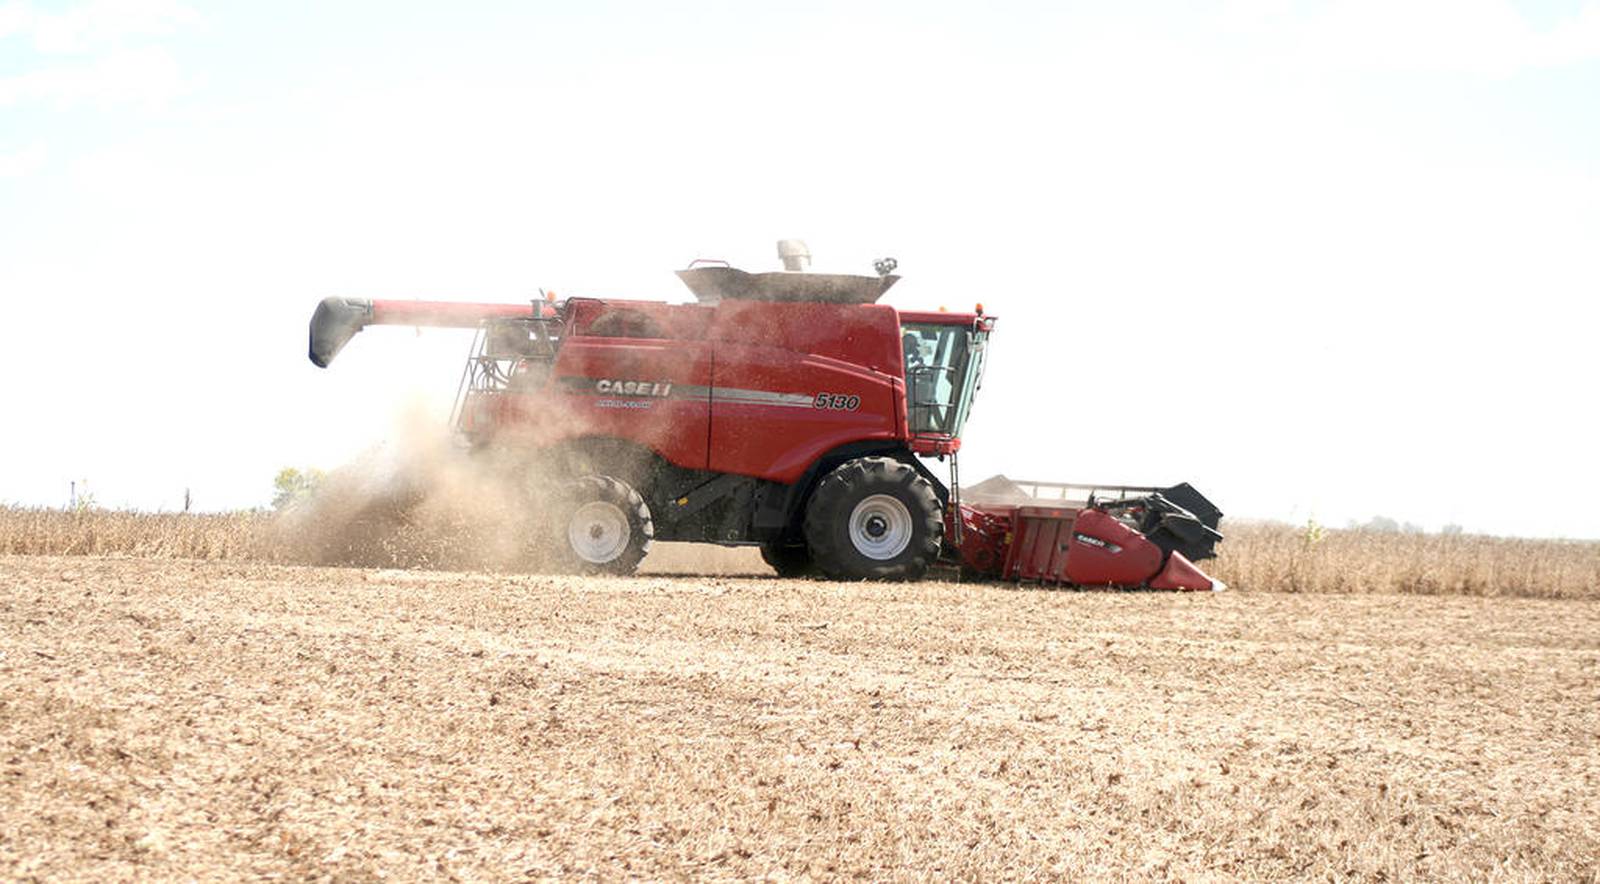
[(1040, 545), (1061, 544), (572, 405), (1052, 548), (1029, 540), (1112, 555), (765, 417), (1180, 573)]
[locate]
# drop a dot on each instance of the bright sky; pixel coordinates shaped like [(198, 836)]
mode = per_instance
[(1323, 260)]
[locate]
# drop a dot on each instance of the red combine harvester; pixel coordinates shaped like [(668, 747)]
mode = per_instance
[(787, 410)]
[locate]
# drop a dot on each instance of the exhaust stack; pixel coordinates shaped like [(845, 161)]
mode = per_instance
[(794, 253)]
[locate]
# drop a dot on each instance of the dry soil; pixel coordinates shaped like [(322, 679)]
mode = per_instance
[(225, 720)]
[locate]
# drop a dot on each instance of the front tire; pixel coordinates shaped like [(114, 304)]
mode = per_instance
[(788, 559), (874, 518), (607, 527)]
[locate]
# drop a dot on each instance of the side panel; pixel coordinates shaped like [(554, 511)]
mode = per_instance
[(1103, 552), (654, 392), (774, 411), (1038, 544)]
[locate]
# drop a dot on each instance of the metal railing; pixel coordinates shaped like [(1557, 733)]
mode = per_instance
[(1066, 492), (499, 347)]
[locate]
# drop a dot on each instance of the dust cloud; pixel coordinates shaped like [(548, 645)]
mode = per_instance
[(422, 500)]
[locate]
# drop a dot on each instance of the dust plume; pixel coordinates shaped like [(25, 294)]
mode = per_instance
[(422, 500)]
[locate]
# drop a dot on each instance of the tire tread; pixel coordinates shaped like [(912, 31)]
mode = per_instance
[(615, 491), (836, 495)]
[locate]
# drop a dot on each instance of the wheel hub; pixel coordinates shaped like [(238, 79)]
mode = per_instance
[(598, 532), (880, 527)]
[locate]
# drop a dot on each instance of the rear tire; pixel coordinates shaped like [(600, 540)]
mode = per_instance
[(789, 559), (874, 518), (606, 528)]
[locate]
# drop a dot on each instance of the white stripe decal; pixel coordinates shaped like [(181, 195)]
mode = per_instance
[(761, 397), (738, 396)]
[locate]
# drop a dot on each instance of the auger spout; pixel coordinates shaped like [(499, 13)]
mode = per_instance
[(337, 320)]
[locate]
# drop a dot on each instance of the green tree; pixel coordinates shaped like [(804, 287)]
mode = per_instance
[(293, 486)]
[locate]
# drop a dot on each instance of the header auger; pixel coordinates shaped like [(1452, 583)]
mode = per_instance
[(788, 410)]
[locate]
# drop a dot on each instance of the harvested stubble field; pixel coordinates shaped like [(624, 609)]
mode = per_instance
[(219, 720)]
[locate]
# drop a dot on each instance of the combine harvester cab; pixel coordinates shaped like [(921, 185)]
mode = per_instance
[(788, 410), (1058, 533)]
